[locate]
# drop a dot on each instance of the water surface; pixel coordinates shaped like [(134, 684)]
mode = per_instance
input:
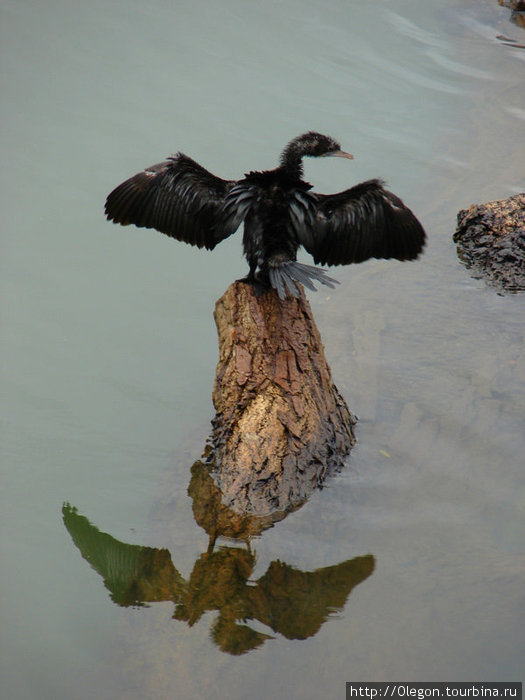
[(109, 352)]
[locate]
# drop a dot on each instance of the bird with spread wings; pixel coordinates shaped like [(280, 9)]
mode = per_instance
[(280, 213)]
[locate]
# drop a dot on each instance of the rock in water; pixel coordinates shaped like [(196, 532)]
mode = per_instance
[(490, 240)]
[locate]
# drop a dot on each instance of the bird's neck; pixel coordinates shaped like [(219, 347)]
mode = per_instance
[(292, 159), (292, 165)]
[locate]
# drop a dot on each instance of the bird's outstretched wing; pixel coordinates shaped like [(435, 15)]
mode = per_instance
[(363, 222), (177, 197)]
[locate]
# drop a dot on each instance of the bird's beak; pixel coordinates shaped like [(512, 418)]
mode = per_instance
[(341, 154)]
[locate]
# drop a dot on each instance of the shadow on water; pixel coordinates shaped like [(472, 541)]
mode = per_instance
[(287, 601)]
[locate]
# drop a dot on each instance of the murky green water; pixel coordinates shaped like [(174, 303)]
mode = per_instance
[(410, 564)]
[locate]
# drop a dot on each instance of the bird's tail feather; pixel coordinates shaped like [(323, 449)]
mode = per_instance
[(283, 277)]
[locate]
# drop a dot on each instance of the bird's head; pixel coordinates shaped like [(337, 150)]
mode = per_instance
[(311, 144)]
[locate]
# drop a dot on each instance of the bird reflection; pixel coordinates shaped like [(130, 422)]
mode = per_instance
[(285, 600)]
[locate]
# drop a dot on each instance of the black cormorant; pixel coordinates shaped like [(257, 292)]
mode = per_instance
[(280, 213)]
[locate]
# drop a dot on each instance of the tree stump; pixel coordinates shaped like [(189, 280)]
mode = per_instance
[(281, 425)]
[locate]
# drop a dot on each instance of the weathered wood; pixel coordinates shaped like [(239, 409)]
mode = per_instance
[(281, 425)]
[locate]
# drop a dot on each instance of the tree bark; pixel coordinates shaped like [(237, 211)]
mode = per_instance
[(281, 425)]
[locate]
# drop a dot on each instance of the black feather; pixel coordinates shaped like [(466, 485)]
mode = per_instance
[(179, 198), (365, 221)]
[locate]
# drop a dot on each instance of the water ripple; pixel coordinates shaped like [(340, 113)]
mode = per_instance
[(412, 31), (461, 68)]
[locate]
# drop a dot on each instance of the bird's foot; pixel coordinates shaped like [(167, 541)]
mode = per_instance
[(260, 287)]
